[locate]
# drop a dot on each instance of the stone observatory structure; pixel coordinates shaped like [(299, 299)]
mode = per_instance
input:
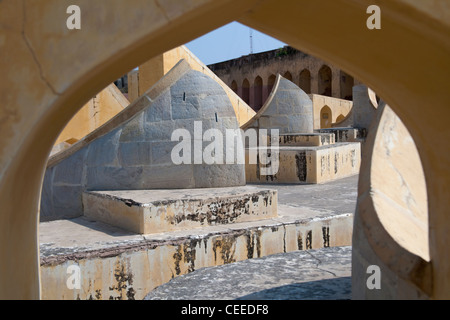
[(365, 104), (297, 153), (288, 109), (133, 151), (355, 126)]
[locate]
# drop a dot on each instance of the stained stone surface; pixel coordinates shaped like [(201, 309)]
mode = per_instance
[(137, 153), (156, 211), (308, 219), (322, 274)]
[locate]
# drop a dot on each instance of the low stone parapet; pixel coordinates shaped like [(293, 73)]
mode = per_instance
[(301, 165), (306, 139)]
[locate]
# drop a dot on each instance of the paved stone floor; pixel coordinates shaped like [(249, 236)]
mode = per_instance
[(337, 196), (313, 274), (322, 274), (294, 202)]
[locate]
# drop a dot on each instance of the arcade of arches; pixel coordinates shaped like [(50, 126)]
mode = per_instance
[(252, 77), (46, 91)]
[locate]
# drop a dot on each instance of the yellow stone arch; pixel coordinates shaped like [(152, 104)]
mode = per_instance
[(326, 117), (52, 72)]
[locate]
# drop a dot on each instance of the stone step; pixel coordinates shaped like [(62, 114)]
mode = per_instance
[(156, 211)]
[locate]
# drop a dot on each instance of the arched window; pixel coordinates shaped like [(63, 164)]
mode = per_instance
[(288, 75), (340, 118), (258, 93), (325, 117), (305, 81), (234, 86), (346, 84), (271, 83), (325, 78), (246, 91)]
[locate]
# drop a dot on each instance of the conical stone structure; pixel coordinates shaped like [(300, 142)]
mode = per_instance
[(133, 151)]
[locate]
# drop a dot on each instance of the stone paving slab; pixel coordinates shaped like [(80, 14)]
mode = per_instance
[(337, 196), (323, 274)]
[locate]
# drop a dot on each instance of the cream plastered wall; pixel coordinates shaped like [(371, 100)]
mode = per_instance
[(154, 69), (130, 269), (391, 223), (95, 113), (133, 85), (338, 107), (46, 89), (248, 68)]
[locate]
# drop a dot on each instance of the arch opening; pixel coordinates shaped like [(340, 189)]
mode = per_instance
[(340, 118), (234, 86), (271, 83), (246, 91), (346, 85), (326, 117), (258, 93), (430, 157), (305, 81), (325, 81), (287, 75)]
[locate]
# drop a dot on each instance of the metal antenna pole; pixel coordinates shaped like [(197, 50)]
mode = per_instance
[(251, 41)]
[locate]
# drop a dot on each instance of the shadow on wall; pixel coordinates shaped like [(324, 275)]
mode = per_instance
[(391, 221), (365, 104)]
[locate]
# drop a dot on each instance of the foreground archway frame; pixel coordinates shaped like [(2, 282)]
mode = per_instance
[(51, 72)]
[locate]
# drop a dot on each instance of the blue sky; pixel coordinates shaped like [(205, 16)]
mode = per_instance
[(229, 42)]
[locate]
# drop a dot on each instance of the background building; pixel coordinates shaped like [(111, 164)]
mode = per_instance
[(253, 76)]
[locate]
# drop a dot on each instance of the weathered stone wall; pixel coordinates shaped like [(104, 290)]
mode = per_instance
[(338, 108), (46, 92), (288, 62), (304, 165), (136, 153), (146, 212), (130, 269)]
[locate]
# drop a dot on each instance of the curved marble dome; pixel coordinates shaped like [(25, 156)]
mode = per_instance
[(288, 109)]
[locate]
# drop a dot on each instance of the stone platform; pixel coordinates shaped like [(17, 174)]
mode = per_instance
[(309, 164), (155, 211), (118, 264)]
